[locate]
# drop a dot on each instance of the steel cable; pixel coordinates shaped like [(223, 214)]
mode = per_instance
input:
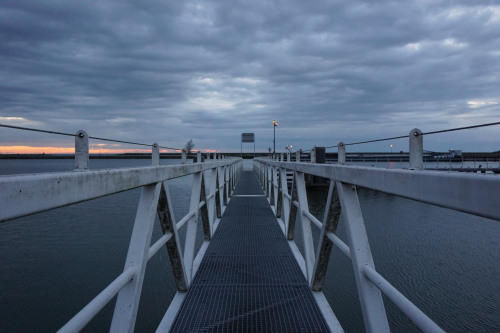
[(406, 136), (90, 137)]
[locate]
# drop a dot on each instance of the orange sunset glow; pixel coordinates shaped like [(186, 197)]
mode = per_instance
[(71, 150), (68, 150)]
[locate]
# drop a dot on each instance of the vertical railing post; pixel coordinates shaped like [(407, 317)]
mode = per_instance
[(155, 155), (309, 255), (231, 180), (198, 157), (258, 167), (279, 196), (284, 200), (235, 175), (416, 149), (293, 210), (288, 156), (228, 182), (239, 168), (127, 302), (222, 179), (370, 297), (263, 176), (266, 179), (269, 185), (275, 190), (297, 155), (192, 224), (341, 153), (81, 151), (184, 156), (220, 195), (224, 182)]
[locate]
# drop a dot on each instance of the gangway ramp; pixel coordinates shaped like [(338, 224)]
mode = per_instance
[(249, 280)]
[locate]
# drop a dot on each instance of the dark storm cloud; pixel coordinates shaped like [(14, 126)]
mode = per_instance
[(169, 71)]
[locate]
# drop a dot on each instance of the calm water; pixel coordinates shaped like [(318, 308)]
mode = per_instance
[(54, 263)]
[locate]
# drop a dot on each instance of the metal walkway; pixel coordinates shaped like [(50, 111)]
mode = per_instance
[(249, 280)]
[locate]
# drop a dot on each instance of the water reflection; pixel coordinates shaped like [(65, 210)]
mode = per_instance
[(444, 261)]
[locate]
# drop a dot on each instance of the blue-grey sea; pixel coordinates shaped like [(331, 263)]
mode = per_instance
[(53, 263)]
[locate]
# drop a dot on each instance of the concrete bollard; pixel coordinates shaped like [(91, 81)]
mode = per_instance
[(184, 157), (155, 154), (416, 149), (81, 151), (341, 153)]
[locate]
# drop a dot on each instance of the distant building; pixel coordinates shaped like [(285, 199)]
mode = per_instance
[(452, 153)]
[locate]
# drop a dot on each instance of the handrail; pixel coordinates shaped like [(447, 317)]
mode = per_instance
[(307, 214), (312, 218), (340, 244), (465, 193), (418, 317), (184, 220), (158, 244), (23, 195), (404, 304), (34, 193), (83, 317)]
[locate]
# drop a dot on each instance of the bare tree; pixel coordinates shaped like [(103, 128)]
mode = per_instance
[(189, 146)]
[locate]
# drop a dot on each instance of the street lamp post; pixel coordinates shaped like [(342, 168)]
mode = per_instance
[(274, 137)]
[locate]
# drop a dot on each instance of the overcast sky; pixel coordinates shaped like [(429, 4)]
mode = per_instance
[(169, 71)]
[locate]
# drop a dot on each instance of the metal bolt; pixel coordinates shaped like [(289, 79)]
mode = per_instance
[(155, 145), (81, 135), (415, 133)]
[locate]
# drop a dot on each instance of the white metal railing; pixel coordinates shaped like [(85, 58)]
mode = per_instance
[(473, 194), (23, 195)]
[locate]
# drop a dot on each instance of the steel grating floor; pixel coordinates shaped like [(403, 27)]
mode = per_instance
[(249, 280)]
